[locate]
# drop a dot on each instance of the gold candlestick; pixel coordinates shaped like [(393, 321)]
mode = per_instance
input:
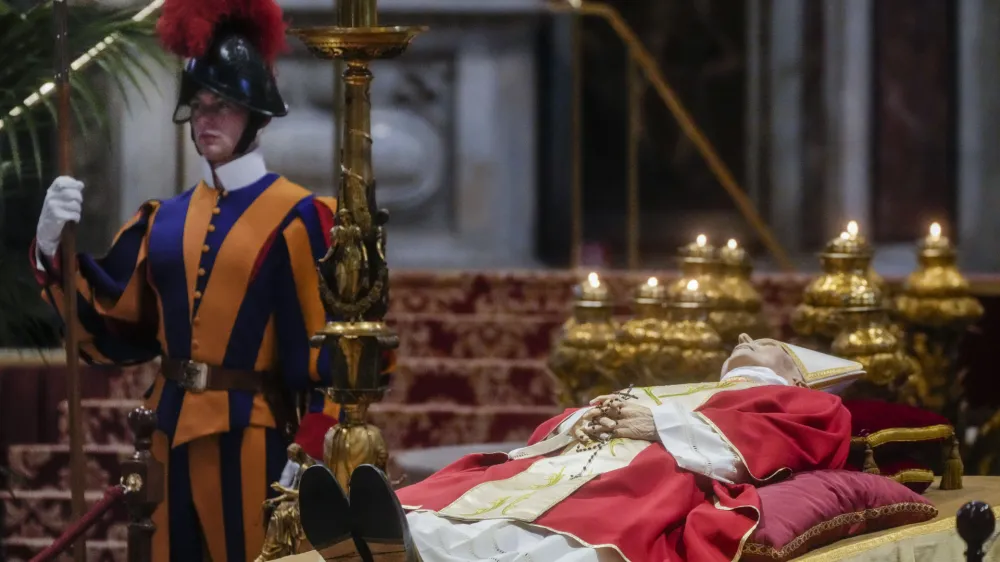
[(583, 359), (739, 303), (640, 349), (354, 275), (937, 305), (694, 348), (844, 283)]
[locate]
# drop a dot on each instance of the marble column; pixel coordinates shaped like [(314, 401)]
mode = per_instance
[(847, 93), (785, 86), (979, 133)]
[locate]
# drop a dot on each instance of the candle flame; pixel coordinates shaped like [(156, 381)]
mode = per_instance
[(594, 281), (701, 240), (852, 228), (844, 236), (732, 244), (692, 285), (652, 282), (935, 230)]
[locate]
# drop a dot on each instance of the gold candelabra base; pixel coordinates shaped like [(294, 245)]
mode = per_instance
[(352, 443)]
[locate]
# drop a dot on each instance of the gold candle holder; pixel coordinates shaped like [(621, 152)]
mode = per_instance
[(694, 348), (844, 283), (583, 358), (867, 338), (938, 307), (699, 262), (354, 275), (640, 349), (739, 303)]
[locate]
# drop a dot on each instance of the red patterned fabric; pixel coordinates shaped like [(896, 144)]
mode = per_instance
[(813, 509)]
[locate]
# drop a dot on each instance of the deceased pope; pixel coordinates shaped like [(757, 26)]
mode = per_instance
[(655, 473)]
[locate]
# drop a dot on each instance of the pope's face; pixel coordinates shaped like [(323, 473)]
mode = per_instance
[(764, 353), (217, 125)]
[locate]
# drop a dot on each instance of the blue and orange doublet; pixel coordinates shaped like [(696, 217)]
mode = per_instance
[(228, 279)]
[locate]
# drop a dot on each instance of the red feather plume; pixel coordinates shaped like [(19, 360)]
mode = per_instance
[(186, 27)]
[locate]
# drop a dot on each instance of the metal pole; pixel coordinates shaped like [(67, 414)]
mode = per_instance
[(68, 250)]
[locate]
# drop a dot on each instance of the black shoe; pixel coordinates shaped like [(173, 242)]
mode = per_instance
[(379, 519), (325, 514)]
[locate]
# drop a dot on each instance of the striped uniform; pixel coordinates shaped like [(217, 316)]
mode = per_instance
[(228, 279)]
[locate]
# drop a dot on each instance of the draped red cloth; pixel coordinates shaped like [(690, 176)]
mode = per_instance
[(652, 510)]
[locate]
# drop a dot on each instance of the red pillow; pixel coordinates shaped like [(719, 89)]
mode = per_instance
[(870, 416), (814, 509)]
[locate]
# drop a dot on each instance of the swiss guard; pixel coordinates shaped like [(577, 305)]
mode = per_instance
[(220, 284)]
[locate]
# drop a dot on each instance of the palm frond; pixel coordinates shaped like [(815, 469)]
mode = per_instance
[(122, 48)]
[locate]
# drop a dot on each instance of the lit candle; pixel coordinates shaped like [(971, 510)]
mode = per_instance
[(651, 290), (935, 231), (701, 240), (692, 285), (852, 228), (591, 290), (732, 245)]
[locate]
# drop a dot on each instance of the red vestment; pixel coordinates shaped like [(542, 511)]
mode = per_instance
[(650, 509)]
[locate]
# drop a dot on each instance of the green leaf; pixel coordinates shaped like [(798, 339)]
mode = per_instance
[(15, 152), (36, 148)]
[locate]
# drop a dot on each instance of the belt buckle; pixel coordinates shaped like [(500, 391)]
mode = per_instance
[(195, 377)]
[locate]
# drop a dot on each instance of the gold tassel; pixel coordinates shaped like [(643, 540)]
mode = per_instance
[(954, 469), (870, 467)]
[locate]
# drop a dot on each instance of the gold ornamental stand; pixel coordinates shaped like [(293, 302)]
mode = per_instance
[(354, 275)]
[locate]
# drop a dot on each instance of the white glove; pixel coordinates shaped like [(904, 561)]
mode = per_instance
[(63, 203)]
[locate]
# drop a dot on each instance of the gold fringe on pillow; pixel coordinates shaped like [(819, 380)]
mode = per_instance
[(954, 469)]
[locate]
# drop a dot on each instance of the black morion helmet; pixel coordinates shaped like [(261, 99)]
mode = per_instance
[(232, 68)]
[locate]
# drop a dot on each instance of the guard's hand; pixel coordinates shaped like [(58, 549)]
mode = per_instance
[(63, 204)]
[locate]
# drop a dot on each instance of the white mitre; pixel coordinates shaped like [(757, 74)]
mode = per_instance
[(821, 371)]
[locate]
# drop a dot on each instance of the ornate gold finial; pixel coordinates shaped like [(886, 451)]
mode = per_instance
[(937, 305), (694, 347), (583, 359), (640, 350), (740, 304)]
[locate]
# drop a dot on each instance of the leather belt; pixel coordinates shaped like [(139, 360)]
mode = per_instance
[(197, 377)]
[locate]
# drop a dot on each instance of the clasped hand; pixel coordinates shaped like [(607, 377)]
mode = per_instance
[(613, 417)]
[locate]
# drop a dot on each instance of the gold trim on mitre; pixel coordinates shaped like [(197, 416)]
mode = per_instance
[(821, 371)]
